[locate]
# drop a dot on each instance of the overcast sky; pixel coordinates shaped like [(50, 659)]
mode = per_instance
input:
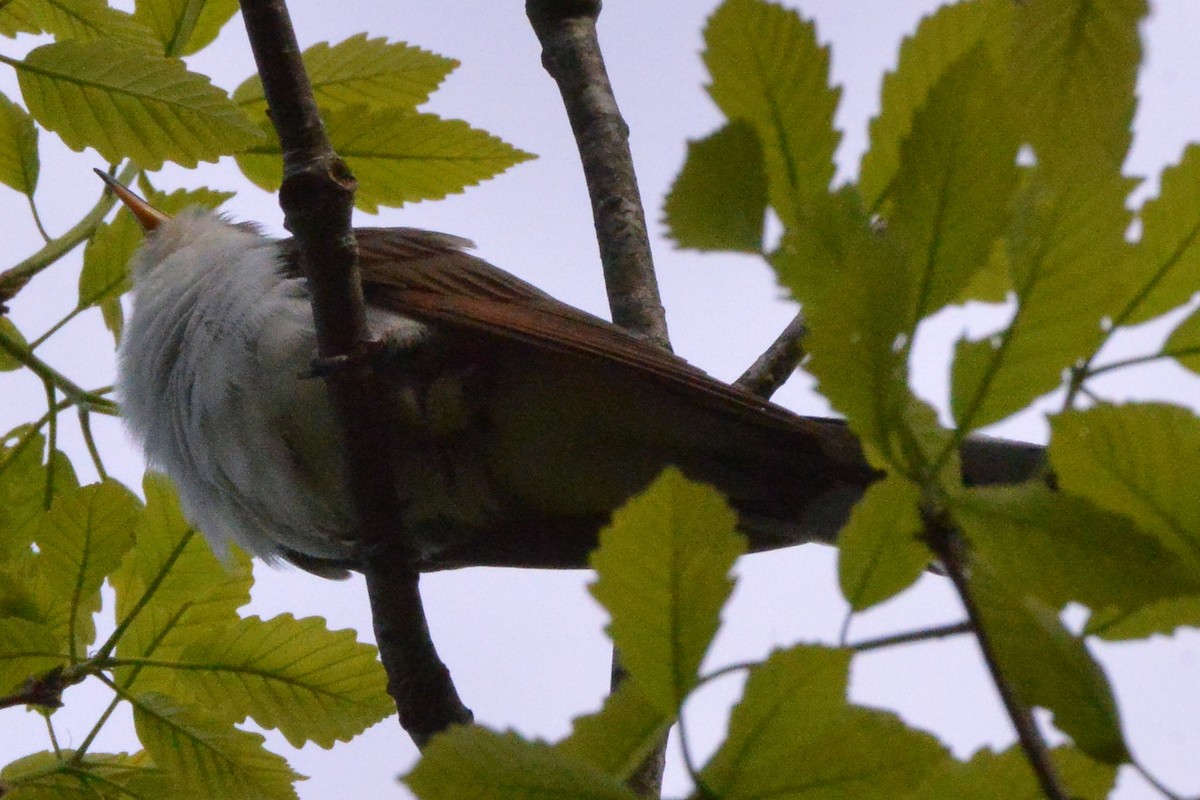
[(526, 648)]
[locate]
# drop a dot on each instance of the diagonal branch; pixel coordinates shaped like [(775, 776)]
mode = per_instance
[(776, 365), (317, 198)]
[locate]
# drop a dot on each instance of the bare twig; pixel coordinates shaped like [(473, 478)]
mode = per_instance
[(911, 637), (571, 54), (946, 543), (776, 365), (317, 198)]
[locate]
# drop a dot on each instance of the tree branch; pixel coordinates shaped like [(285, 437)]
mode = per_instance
[(571, 54), (778, 362), (947, 545), (317, 198)]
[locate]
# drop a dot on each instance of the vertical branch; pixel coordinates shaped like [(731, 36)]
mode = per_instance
[(571, 54), (317, 198), (946, 543)]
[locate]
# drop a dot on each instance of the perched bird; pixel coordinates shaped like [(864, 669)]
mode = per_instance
[(523, 421)]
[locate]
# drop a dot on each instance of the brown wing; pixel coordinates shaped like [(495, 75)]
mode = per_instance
[(427, 275)]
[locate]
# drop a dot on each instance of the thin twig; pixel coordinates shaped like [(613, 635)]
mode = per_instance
[(571, 54), (776, 365), (947, 544), (317, 197), (940, 632)]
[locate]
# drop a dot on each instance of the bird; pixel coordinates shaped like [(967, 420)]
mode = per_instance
[(522, 422)]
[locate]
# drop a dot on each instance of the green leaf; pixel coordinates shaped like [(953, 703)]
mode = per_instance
[(179, 589), (1183, 344), (1073, 69), (107, 255), (18, 149), (663, 574), (1164, 271), (848, 277), (1047, 666), (768, 70), (80, 541), (23, 497), (70, 775), (127, 103), (86, 20), (880, 553), (207, 759), (957, 173), (1066, 250), (1061, 548), (941, 39), (297, 676), (9, 363), (1127, 459), (620, 735), (398, 156), (1007, 776), (719, 199), (361, 72), (1162, 618), (469, 763), (793, 735), (184, 26), (27, 649)]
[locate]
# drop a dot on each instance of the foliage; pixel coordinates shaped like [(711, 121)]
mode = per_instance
[(993, 176)]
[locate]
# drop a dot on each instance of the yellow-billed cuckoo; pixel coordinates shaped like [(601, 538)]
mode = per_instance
[(524, 422)]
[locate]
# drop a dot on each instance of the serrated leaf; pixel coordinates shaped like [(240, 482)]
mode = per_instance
[(848, 277), (27, 650), (19, 163), (1007, 776), (297, 676), (1164, 271), (81, 540), (87, 20), (180, 590), (793, 735), (470, 763), (1061, 548), (107, 255), (663, 574), (68, 774), (23, 494), (941, 39), (879, 550), (130, 104), (1159, 618), (398, 156), (768, 70), (184, 26), (1126, 459), (1066, 250), (956, 176), (620, 735), (719, 198), (361, 71), (1046, 666), (1073, 69), (207, 759)]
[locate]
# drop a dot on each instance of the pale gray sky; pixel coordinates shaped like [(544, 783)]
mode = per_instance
[(526, 648)]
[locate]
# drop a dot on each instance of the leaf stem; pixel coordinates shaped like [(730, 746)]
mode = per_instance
[(14, 279), (924, 635), (75, 393)]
